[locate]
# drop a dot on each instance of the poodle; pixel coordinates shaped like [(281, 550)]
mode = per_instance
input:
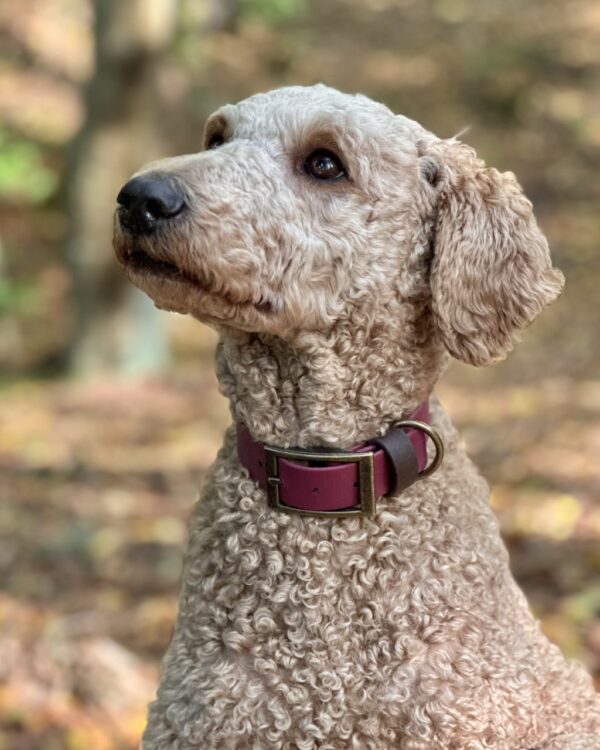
[(344, 254)]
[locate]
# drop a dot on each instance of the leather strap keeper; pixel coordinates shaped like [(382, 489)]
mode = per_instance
[(402, 459)]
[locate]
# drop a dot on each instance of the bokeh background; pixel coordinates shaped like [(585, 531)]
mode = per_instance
[(109, 411)]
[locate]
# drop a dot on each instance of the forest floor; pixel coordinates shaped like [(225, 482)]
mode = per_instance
[(98, 478)]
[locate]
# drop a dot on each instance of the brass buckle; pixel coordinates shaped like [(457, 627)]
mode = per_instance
[(435, 439), (366, 479)]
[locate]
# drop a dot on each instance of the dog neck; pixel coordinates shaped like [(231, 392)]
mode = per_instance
[(332, 389)]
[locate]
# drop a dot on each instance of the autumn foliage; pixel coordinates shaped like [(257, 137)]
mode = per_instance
[(97, 474)]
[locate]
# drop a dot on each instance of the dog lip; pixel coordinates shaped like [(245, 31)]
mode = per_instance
[(138, 261)]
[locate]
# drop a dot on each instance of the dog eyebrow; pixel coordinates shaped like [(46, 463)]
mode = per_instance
[(320, 135)]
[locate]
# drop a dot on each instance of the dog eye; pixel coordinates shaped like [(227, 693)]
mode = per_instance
[(215, 141), (324, 165)]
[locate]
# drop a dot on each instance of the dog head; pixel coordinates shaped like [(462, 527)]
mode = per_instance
[(307, 206)]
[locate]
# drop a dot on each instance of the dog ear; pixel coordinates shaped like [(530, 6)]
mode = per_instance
[(491, 272)]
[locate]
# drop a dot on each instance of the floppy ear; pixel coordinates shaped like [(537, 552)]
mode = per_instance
[(491, 272)]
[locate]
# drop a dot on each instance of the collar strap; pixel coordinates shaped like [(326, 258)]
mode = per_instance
[(331, 482)]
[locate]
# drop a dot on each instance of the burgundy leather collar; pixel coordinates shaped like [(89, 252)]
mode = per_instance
[(331, 482)]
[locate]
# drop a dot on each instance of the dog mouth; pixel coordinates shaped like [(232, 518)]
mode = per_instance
[(140, 263)]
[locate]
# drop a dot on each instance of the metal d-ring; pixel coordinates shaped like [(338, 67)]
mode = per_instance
[(435, 439)]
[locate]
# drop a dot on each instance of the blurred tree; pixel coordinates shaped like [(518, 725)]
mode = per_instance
[(115, 325), (524, 76)]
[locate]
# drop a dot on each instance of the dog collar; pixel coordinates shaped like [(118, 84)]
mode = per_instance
[(330, 482)]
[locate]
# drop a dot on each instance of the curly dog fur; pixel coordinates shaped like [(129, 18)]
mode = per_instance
[(338, 305)]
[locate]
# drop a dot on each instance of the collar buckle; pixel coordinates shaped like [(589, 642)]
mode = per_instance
[(366, 479)]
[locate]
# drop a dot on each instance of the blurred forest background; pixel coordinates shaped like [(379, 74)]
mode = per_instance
[(109, 410)]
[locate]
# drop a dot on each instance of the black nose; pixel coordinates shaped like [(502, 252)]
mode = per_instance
[(147, 200)]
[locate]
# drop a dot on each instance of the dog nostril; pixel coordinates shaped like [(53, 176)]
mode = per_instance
[(159, 209), (125, 197)]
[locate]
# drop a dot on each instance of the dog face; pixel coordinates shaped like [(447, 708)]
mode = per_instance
[(308, 205)]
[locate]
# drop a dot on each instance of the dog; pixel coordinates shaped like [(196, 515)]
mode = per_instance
[(344, 254)]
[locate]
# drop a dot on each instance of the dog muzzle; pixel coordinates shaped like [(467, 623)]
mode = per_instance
[(329, 482)]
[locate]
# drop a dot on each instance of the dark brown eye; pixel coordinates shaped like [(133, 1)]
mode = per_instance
[(324, 165), (215, 141)]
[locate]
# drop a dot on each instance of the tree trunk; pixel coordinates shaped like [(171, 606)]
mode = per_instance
[(116, 327)]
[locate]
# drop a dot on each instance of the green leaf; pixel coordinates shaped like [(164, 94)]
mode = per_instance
[(23, 174), (272, 10)]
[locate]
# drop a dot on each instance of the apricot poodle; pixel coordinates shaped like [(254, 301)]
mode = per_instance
[(344, 253)]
